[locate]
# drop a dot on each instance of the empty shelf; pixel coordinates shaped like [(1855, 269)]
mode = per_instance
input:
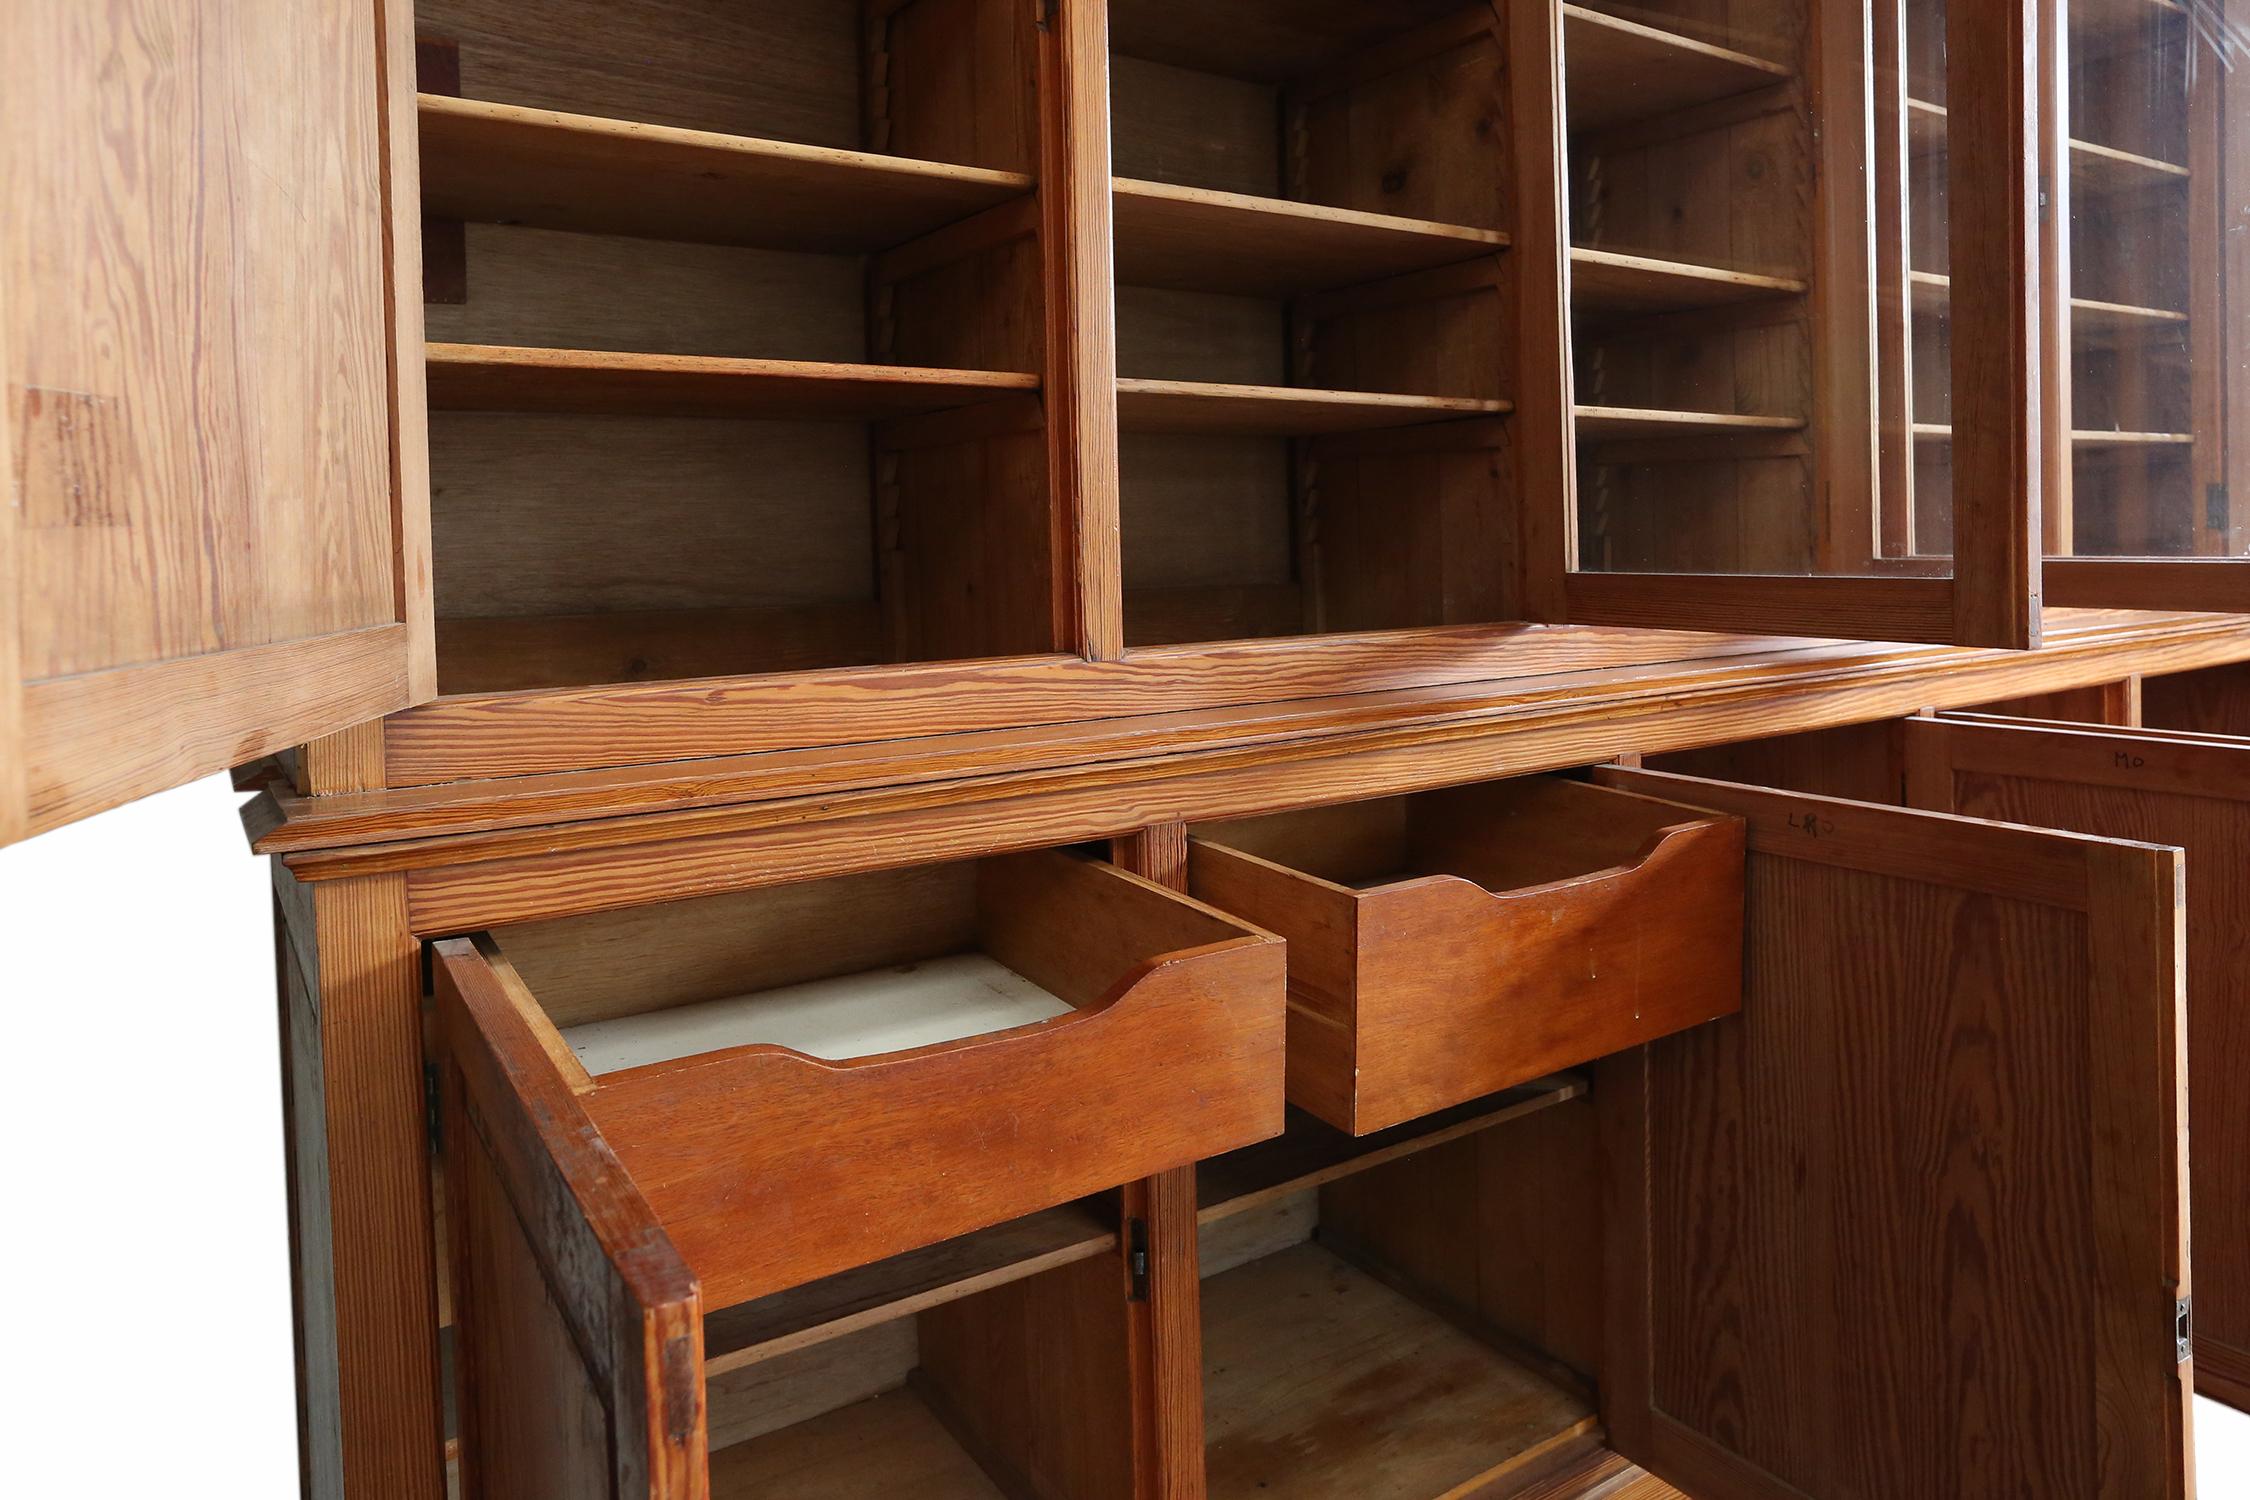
[(2085, 440), (1618, 70), (2107, 169), (1637, 421), (853, 1015), (891, 1444), (1607, 281), (1304, 1393), (2093, 168), (1195, 239), (1280, 411), (499, 163), (490, 377), (2091, 320)]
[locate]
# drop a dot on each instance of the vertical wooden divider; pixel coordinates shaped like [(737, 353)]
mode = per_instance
[(1538, 259), (1845, 415), (1080, 384), (1167, 1334), (2000, 438), (2057, 530)]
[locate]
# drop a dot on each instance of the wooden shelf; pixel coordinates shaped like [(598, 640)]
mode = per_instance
[(2084, 440), (1294, 1345), (2093, 168), (1618, 70), (1616, 284), (891, 1444), (2102, 442), (1310, 1153), (499, 163), (1196, 239), (488, 377), (2092, 320), (902, 1285), (1597, 422), (2106, 169), (1280, 411)]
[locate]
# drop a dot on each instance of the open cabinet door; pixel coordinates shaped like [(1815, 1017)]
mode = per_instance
[(1744, 434), (579, 1354), (2148, 303), (2188, 790), (1913, 1223), (214, 538)]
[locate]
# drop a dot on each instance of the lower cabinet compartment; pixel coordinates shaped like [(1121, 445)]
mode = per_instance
[(1354, 1345)]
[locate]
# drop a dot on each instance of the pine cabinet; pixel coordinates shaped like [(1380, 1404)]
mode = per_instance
[(1086, 748)]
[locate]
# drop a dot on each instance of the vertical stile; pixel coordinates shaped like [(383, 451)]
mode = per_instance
[(1081, 374), (1167, 1339), (1844, 326), (1539, 262), (1998, 452)]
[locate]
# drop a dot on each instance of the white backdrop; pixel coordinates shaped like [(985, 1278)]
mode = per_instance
[(145, 1240)]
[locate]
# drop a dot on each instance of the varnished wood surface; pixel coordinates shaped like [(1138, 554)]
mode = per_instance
[(1232, 763)]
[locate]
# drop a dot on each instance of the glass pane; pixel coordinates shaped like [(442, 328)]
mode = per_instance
[(2158, 188), (1918, 490), (1748, 199)]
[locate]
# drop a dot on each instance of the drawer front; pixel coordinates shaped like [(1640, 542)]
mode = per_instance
[(2191, 791), (1423, 993)]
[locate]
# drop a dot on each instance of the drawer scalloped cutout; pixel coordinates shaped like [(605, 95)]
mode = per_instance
[(769, 1167), (1447, 945)]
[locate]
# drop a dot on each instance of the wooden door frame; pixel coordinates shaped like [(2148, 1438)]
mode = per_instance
[(1993, 597)]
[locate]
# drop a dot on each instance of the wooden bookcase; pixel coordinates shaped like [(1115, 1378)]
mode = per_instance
[(1178, 682)]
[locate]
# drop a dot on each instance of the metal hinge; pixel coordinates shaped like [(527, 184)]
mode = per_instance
[(1136, 1257), (2218, 509), (2183, 1328)]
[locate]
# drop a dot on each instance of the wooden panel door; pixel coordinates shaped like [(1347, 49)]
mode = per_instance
[(1914, 1222), (578, 1326), (213, 541), (2193, 792)]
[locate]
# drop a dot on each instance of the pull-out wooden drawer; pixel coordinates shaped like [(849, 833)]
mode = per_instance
[(806, 1079), (1447, 945)]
